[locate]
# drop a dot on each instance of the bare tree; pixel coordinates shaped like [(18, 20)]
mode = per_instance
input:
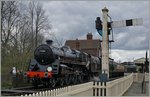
[(31, 19), (21, 31), (38, 19), (57, 42), (9, 16), (41, 21)]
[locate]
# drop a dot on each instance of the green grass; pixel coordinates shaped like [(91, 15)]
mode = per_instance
[(6, 79), (6, 85)]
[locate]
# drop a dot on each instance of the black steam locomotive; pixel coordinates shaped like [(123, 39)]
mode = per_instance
[(63, 65)]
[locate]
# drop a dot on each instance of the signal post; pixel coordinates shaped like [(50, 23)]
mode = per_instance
[(103, 28), (105, 43)]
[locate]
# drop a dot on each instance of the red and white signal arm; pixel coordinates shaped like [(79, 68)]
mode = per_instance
[(125, 23)]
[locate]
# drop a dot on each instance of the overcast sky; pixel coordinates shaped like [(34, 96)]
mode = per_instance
[(74, 19)]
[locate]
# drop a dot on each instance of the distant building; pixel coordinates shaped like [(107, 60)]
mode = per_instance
[(89, 45), (140, 63), (130, 67)]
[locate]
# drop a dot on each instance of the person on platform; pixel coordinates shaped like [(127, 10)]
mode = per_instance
[(13, 72)]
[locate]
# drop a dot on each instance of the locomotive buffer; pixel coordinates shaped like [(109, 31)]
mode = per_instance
[(103, 28)]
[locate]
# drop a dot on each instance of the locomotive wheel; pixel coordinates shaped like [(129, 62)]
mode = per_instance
[(80, 78), (74, 79), (46, 84), (67, 80), (88, 78), (62, 82), (53, 82), (35, 82)]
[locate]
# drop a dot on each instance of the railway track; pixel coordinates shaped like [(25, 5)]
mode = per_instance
[(10, 92), (28, 90), (17, 91)]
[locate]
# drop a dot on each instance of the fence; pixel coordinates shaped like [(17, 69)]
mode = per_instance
[(138, 77), (75, 90), (146, 76), (112, 88)]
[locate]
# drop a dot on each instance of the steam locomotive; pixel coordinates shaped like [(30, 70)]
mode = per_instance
[(52, 65)]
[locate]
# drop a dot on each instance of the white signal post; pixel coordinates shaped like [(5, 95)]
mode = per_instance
[(105, 36), (105, 43)]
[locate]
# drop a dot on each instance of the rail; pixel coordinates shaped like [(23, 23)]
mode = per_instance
[(144, 80)]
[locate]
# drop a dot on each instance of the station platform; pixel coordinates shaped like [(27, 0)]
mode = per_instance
[(136, 89)]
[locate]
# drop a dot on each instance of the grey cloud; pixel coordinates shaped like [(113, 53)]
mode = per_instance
[(74, 19), (136, 39)]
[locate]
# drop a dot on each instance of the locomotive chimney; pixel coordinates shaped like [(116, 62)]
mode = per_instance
[(49, 42)]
